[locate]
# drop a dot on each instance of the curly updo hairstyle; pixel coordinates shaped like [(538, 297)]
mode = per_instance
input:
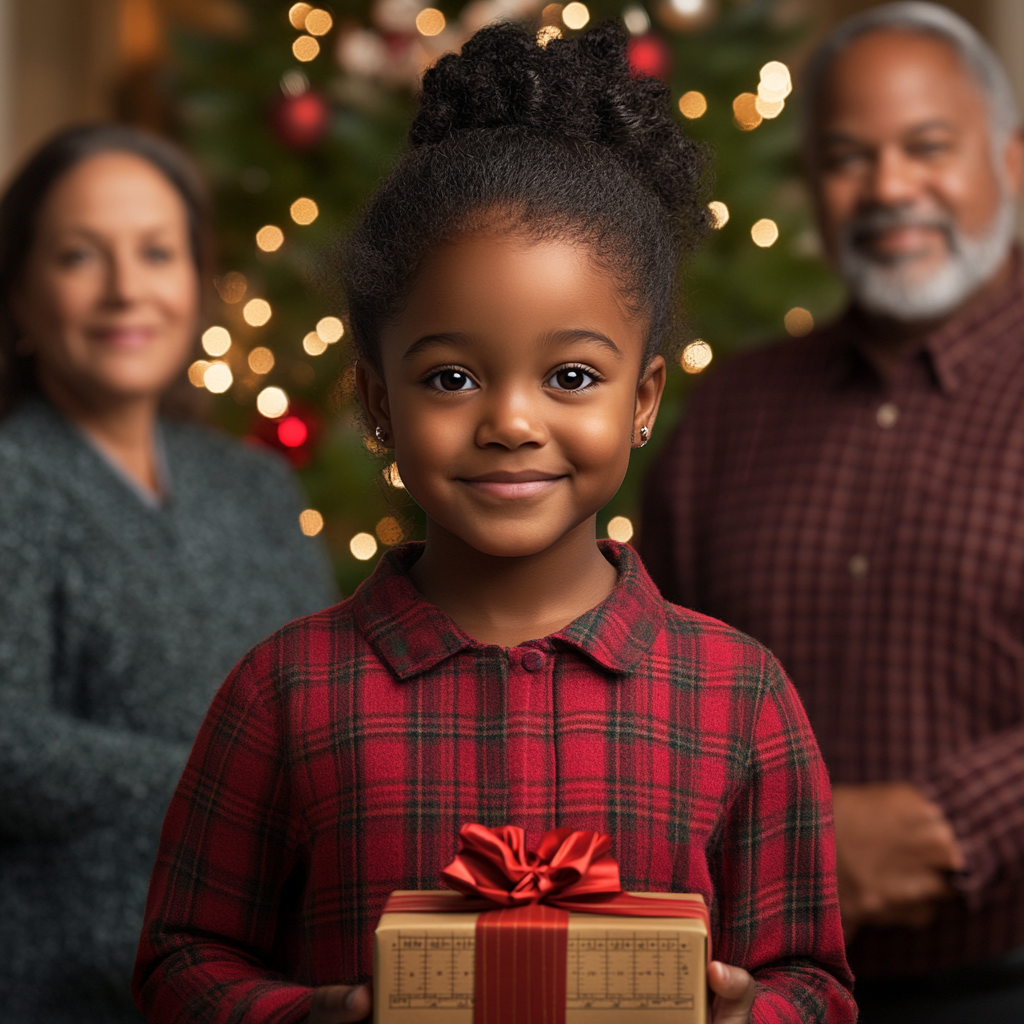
[(553, 142)]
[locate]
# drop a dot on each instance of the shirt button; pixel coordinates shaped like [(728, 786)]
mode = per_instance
[(858, 566), (533, 661), (887, 414)]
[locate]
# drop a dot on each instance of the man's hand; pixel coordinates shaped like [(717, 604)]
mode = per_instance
[(734, 992), (339, 1004), (894, 850)]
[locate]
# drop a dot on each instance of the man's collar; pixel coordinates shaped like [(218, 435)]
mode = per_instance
[(413, 636)]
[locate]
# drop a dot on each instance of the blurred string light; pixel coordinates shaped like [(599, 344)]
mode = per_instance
[(292, 432), (688, 8), (547, 33), (765, 232), (636, 20), (304, 211), (330, 328), (270, 238), (693, 104), (392, 476), (745, 112), (196, 371), (775, 85), (216, 341), (696, 356), (719, 214), (261, 360), (305, 48), (620, 529), (294, 83), (363, 546), (575, 15), (551, 14), (310, 522), (256, 312), (297, 14), (272, 402), (798, 321), (390, 531), (430, 22), (231, 287), (217, 377), (318, 22), (313, 344)]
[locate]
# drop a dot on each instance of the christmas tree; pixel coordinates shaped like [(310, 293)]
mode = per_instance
[(297, 115)]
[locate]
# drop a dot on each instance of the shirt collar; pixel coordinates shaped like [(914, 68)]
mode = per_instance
[(951, 346), (413, 636)]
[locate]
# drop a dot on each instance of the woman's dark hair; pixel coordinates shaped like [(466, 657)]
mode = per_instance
[(554, 141), (19, 214)]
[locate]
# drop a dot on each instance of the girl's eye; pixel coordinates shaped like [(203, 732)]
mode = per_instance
[(452, 380), (157, 254), (570, 378)]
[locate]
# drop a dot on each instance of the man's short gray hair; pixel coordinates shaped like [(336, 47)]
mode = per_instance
[(923, 19)]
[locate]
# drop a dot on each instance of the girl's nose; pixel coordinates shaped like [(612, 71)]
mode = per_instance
[(511, 419)]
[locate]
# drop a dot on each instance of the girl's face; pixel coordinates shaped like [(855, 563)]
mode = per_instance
[(109, 301), (512, 390)]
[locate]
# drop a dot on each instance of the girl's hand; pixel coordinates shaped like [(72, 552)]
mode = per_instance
[(734, 992), (339, 1004)]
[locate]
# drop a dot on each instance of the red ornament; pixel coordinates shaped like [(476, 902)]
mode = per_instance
[(295, 436), (292, 432), (300, 122), (649, 57)]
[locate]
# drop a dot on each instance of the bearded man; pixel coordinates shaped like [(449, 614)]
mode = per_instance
[(855, 500)]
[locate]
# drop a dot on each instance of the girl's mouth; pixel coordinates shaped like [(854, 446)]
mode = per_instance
[(524, 484)]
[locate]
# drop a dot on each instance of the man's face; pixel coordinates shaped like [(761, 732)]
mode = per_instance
[(915, 204)]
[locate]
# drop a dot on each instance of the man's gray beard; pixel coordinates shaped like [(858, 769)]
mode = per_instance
[(890, 290)]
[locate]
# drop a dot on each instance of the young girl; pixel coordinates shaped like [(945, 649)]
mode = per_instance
[(510, 286)]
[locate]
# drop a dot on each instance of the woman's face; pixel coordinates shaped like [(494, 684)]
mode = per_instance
[(109, 301)]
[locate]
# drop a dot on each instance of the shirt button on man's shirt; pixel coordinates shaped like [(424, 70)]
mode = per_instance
[(858, 566), (887, 414), (533, 661)]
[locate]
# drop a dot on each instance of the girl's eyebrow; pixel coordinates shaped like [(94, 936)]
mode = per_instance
[(429, 340), (554, 338)]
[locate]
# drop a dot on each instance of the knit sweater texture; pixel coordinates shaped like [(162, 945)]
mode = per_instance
[(118, 621)]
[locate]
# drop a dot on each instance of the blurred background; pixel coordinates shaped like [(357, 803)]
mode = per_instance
[(294, 110)]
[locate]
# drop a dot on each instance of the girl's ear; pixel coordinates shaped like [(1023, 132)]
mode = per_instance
[(373, 393), (648, 397)]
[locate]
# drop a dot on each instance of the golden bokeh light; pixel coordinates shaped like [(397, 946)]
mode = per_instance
[(719, 214), (430, 22), (305, 48), (769, 108), (318, 22), (261, 360), (620, 529), (297, 14), (196, 371), (765, 232), (272, 402), (310, 522), (330, 328), (744, 110), (270, 238), (256, 312), (776, 83), (231, 287), (390, 531), (363, 546), (551, 14), (547, 33), (636, 20), (313, 344), (696, 356), (216, 341), (304, 211), (693, 104), (217, 377), (393, 478), (575, 15), (799, 321)]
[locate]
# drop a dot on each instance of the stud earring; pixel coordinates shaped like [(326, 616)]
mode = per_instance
[(645, 436), (381, 435)]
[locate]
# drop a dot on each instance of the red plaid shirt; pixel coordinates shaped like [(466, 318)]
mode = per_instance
[(342, 755), (871, 533)]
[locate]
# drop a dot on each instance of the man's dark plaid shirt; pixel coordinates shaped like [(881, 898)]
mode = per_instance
[(872, 535), (342, 755)]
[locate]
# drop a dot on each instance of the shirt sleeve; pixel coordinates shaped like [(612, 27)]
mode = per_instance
[(777, 909), (58, 773), (979, 789), (226, 851)]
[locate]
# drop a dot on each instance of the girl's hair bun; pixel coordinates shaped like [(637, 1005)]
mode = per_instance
[(580, 88)]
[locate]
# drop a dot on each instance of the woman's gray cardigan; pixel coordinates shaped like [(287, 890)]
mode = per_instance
[(118, 621)]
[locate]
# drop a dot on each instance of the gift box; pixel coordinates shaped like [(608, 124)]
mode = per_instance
[(539, 937)]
